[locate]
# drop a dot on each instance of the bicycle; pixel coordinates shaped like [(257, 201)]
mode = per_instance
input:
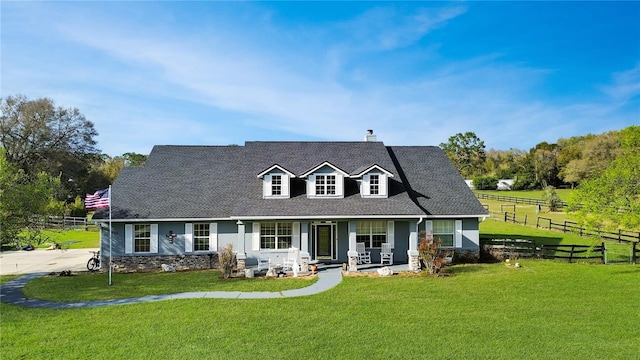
[(94, 263)]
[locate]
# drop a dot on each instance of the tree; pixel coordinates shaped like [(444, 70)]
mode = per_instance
[(21, 197), (485, 183), (466, 152), (134, 159), (587, 158), (612, 199), (544, 160), (38, 136), (552, 198)]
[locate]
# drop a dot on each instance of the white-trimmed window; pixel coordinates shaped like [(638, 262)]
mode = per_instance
[(371, 233), (325, 185), (276, 185), (374, 184), (276, 235), (444, 230), (142, 238), (200, 237)]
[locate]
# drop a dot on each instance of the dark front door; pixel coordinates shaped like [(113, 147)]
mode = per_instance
[(323, 241)]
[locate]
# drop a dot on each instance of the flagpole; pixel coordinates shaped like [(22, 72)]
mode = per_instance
[(110, 231)]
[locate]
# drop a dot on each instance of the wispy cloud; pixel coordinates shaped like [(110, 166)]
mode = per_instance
[(218, 81), (625, 85)]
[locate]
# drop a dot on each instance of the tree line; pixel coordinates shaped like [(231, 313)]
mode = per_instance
[(48, 162), (565, 163), (604, 169)]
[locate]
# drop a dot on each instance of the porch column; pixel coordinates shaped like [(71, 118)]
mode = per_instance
[(414, 262), (353, 253), (241, 255), (304, 237)]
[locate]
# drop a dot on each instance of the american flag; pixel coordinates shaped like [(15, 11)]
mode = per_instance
[(99, 199)]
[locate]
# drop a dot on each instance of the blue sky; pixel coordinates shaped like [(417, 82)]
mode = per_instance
[(218, 73)]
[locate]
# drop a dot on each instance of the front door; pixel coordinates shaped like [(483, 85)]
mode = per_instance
[(324, 246)]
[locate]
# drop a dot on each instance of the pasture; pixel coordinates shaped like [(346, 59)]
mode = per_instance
[(545, 309)]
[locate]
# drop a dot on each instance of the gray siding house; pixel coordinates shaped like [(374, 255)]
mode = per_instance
[(264, 198)]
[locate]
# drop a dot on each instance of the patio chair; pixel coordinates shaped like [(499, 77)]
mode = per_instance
[(386, 255), (364, 256), (264, 261), (292, 259)]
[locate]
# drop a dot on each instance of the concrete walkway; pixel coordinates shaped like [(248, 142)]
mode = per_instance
[(11, 293), (46, 261)]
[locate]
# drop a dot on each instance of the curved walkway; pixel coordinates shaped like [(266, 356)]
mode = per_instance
[(11, 293)]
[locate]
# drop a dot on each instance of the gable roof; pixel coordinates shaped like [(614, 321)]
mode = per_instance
[(219, 182), (320, 166), (275, 166), (365, 169)]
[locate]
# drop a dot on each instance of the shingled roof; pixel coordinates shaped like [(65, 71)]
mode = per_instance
[(220, 182)]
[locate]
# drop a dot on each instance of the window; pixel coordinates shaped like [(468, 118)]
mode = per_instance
[(200, 237), (443, 230), (374, 184), (142, 238), (276, 185), (325, 184), (275, 235), (371, 233)]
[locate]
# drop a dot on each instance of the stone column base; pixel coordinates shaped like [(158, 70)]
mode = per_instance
[(414, 260)]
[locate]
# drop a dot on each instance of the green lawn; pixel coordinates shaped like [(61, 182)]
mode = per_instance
[(543, 310), (79, 239), (564, 194), (497, 229), (92, 286)]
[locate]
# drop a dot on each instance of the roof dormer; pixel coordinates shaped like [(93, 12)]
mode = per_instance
[(325, 181), (374, 181), (276, 182)]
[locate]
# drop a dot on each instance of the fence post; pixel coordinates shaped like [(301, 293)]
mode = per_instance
[(633, 253), (571, 254), (525, 219), (505, 216), (604, 254)]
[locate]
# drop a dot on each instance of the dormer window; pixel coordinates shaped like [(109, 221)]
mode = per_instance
[(325, 181), (325, 184), (276, 185), (374, 184), (276, 182), (373, 181)]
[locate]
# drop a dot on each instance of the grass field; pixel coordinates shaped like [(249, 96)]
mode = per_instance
[(79, 239), (542, 310), (546, 309), (91, 286), (564, 194)]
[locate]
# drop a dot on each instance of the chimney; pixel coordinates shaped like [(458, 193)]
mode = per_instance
[(370, 136)]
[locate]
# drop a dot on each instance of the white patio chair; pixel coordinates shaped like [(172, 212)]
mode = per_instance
[(364, 256), (292, 260), (264, 261), (386, 255)]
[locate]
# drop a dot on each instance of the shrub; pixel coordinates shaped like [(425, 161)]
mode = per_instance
[(227, 260), (431, 253), (485, 183)]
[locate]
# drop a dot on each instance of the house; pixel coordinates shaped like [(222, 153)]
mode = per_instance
[(322, 198)]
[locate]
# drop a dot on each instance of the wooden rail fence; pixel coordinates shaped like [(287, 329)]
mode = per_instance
[(62, 222), (517, 200), (571, 226), (571, 252), (501, 249)]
